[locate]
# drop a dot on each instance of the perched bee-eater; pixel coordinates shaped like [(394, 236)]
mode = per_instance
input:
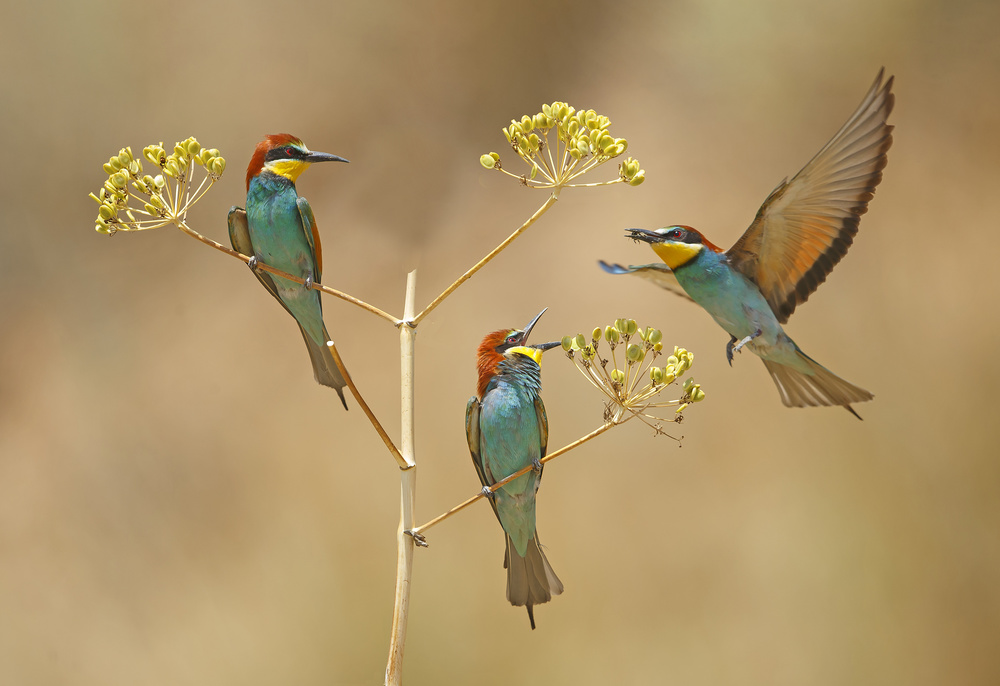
[(507, 429), (800, 232), (278, 229)]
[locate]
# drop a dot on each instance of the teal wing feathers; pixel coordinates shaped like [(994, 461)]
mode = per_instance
[(312, 235), (659, 273), (239, 238), (473, 436)]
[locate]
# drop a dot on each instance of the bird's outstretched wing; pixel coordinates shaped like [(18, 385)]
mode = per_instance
[(312, 235), (660, 274), (239, 238), (807, 224)]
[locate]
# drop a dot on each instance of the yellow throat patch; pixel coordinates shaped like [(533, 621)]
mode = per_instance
[(533, 353), (677, 254), (290, 169)]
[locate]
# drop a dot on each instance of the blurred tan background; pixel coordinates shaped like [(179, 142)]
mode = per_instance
[(181, 504)]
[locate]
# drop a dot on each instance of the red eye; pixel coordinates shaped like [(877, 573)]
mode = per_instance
[(512, 339), (290, 151)]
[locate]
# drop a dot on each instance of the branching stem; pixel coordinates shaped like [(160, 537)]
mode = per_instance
[(285, 275), (417, 533), (482, 263)]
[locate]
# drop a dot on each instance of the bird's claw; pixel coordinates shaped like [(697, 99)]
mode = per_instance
[(418, 539), (729, 349), (740, 345), (308, 283), (253, 263), (536, 465), (487, 493)]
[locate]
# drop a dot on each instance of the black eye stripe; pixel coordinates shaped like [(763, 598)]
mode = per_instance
[(285, 152)]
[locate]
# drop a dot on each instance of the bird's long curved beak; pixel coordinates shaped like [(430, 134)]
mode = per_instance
[(314, 157), (531, 325), (644, 235)]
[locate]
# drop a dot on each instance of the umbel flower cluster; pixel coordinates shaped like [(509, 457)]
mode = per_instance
[(159, 200), (560, 143), (626, 373)]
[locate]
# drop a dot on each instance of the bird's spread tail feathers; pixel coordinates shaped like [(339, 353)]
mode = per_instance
[(821, 387), (324, 368), (530, 579)]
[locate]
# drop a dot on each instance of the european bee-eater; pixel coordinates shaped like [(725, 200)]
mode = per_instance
[(278, 229), (507, 429), (802, 230)]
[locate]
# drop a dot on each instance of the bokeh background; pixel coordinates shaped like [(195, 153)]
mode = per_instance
[(181, 503)]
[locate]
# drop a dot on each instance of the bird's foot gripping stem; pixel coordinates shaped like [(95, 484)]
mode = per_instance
[(418, 538), (730, 348), (536, 465), (487, 493), (253, 263)]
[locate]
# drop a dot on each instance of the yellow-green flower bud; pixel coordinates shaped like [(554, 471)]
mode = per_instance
[(134, 167), (105, 212), (150, 209), (618, 376), (658, 347), (655, 375), (218, 166), (681, 408), (580, 341), (637, 179), (96, 199), (611, 334), (124, 158), (193, 147), (596, 336), (109, 168), (669, 374), (655, 336), (156, 202), (171, 168), (634, 353), (632, 327), (567, 343), (118, 180), (697, 395), (160, 181), (487, 161), (687, 383)]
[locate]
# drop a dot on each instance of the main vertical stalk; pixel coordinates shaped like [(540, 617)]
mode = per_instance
[(408, 490)]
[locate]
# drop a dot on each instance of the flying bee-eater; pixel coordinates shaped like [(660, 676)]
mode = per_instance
[(802, 230), (507, 430), (278, 229)]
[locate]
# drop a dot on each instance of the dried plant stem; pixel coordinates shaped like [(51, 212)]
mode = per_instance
[(285, 275), (417, 533), (408, 492), (400, 460), (482, 263)]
